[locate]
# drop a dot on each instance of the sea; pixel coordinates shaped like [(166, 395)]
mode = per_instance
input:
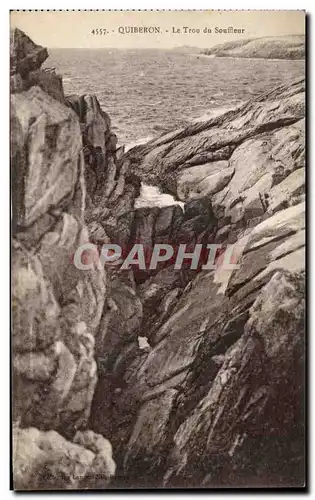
[(148, 92)]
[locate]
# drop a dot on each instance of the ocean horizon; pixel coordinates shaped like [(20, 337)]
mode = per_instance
[(164, 89)]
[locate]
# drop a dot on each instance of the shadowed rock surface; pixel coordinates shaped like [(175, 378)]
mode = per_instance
[(185, 378), (56, 308)]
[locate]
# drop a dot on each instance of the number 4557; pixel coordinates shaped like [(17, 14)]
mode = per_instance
[(99, 31)]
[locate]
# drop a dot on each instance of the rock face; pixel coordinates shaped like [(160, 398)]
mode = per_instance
[(248, 161), (219, 396), (194, 377), (56, 308), (26, 59)]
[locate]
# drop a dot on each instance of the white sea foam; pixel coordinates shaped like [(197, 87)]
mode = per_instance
[(151, 196)]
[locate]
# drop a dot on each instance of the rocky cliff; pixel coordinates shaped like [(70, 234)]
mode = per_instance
[(215, 395), (56, 309)]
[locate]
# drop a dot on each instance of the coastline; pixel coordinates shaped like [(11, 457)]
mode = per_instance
[(213, 56)]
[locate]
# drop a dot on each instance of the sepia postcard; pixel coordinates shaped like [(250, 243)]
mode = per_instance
[(158, 250)]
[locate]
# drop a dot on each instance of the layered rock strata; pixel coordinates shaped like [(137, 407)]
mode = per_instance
[(215, 394)]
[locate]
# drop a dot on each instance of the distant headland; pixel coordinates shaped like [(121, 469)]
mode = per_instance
[(282, 47)]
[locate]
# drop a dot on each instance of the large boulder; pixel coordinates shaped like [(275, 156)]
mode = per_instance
[(45, 145), (47, 461)]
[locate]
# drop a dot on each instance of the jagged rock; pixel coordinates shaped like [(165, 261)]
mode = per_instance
[(258, 257), (236, 159), (35, 310), (26, 59), (95, 125), (48, 81), (45, 149), (254, 406), (204, 346), (60, 391), (168, 302), (56, 307), (288, 191), (119, 330), (170, 225), (84, 290), (122, 322), (213, 319), (111, 187), (25, 55), (154, 289), (198, 222), (146, 444), (207, 180), (216, 396), (273, 110)]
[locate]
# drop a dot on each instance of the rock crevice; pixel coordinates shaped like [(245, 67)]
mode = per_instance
[(214, 395)]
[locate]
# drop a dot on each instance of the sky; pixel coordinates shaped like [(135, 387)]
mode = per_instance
[(73, 29)]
